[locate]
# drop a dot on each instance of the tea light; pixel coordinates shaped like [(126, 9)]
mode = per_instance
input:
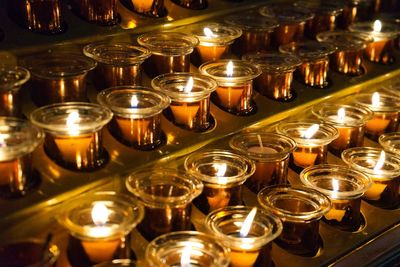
[(355, 11), (215, 39), (100, 12), (73, 134), (222, 173), (312, 139), (117, 64), (344, 187), (270, 152), (170, 51), (99, 223), (190, 98), (137, 114), (381, 50), (11, 80), (348, 120), (348, 58), (256, 32), (247, 232), (150, 8), (390, 142), (167, 197), (18, 139), (315, 56), (277, 74), (235, 84), (58, 77), (386, 110), (300, 210), (291, 21), (192, 4), (187, 248), (383, 168)]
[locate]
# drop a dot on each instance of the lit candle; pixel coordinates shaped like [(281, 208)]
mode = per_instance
[(334, 213), (150, 8), (103, 13)]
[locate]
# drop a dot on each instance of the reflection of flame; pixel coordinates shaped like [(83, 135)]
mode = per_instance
[(377, 25), (229, 69), (220, 168), (72, 123), (376, 99), (341, 114), (189, 86), (185, 256), (244, 231), (381, 162), (335, 187), (208, 32), (309, 133), (100, 214), (134, 101)]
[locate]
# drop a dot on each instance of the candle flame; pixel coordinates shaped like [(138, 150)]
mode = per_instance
[(260, 143), (229, 69), (341, 114), (381, 161), (244, 231), (100, 214), (208, 32), (72, 123), (376, 99), (134, 101), (309, 133), (335, 187), (220, 168), (189, 86), (377, 25), (185, 256), (2, 140)]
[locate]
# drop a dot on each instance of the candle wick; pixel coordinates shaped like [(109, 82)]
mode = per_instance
[(260, 141)]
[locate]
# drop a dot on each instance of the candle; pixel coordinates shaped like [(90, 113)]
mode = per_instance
[(150, 8), (167, 196), (277, 74), (190, 99), (117, 64), (235, 84), (73, 134), (354, 11), (300, 210), (43, 16), (100, 12), (222, 173), (246, 231), (270, 152), (344, 186)]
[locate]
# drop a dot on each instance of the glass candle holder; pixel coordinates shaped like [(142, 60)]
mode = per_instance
[(256, 32), (355, 11), (58, 77), (117, 64), (11, 80), (348, 120), (167, 197), (99, 224), (30, 252), (253, 248), (215, 40), (73, 134), (382, 168), (315, 56), (291, 20), (190, 99), (381, 50), (312, 139), (222, 173), (235, 84), (300, 210), (149, 8), (97, 11), (276, 78), (192, 4), (18, 139), (390, 142), (170, 51), (137, 115), (270, 152), (348, 58), (187, 248), (117, 263), (386, 110), (344, 187)]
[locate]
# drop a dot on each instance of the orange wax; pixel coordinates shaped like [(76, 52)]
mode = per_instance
[(230, 97), (374, 50), (74, 148), (99, 251), (243, 258), (375, 191), (184, 113), (304, 157), (264, 170), (334, 213), (220, 200), (7, 171), (209, 53), (377, 125), (344, 138), (132, 129)]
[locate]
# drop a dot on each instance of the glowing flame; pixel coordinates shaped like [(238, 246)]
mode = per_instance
[(208, 32), (341, 114), (72, 123), (100, 214), (134, 101), (189, 86), (185, 257), (376, 99), (220, 168), (309, 133), (2, 140), (229, 69), (377, 25), (381, 162), (244, 231), (335, 187)]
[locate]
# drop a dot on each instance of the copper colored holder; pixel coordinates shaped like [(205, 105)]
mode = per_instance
[(102, 12), (43, 16)]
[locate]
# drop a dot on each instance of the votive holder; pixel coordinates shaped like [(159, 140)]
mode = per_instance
[(74, 134), (117, 64), (384, 170), (170, 51), (12, 78), (355, 11), (235, 84), (315, 57), (99, 225), (344, 187), (167, 196), (349, 120), (275, 81), (190, 99), (312, 139), (18, 140), (390, 142), (247, 248), (149, 8), (137, 115), (300, 210), (58, 77), (101, 12), (187, 248), (192, 4), (222, 173), (270, 152)]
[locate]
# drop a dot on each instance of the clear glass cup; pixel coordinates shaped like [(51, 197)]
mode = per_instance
[(390, 142), (137, 115), (150, 8), (344, 187), (222, 173), (167, 196), (300, 210), (101, 12)]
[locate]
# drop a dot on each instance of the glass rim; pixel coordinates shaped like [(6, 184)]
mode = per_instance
[(388, 31), (308, 50), (227, 33), (249, 22), (331, 8), (345, 40), (297, 14), (386, 138), (275, 62), (21, 75), (389, 102), (117, 262), (326, 112)]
